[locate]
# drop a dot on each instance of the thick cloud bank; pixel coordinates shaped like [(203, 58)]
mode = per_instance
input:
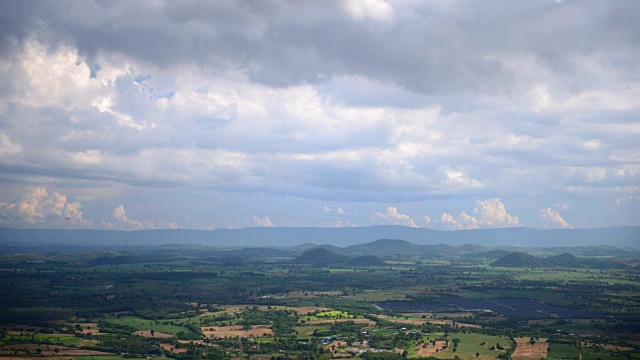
[(329, 113)]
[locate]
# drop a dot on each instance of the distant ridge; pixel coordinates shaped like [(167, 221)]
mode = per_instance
[(385, 246), (323, 257), (520, 259), (283, 236), (320, 257)]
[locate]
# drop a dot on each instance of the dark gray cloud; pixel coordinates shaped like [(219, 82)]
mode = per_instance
[(428, 47)]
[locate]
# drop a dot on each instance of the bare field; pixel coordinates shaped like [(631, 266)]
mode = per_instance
[(449, 322), (427, 315), (235, 330), (170, 348), (88, 328), (156, 334), (617, 348), (526, 351), (403, 321), (47, 351), (453, 315), (422, 321), (430, 350)]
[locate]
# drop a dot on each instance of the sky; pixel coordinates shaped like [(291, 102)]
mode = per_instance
[(447, 115)]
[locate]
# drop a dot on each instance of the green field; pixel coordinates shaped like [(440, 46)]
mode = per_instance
[(562, 351), (140, 324), (52, 339)]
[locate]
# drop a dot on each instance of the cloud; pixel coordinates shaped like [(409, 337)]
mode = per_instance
[(363, 102), (490, 213), (458, 180), (630, 195), (262, 221), (339, 223), (123, 222), (36, 206), (551, 219), (120, 215), (184, 125), (337, 217), (8, 147), (423, 53), (336, 211), (463, 222), (393, 217), (369, 9)]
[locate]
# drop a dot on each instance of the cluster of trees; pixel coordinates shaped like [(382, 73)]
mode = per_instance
[(382, 355), (347, 327), (282, 322), (202, 353), (35, 314), (133, 346), (247, 346)]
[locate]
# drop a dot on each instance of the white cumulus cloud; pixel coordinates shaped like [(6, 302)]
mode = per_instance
[(393, 217), (262, 221), (490, 213), (36, 206), (551, 219), (463, 222), (123, 222)]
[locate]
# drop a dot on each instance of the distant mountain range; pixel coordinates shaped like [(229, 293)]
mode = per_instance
[(520, 259), (622, 237), (368, 254), (324, 257)]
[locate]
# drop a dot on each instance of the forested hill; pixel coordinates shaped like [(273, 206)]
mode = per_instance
[(520, 259), (260, 236)]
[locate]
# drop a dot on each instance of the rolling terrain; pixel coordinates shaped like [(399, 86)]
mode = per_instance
[(285, 237)]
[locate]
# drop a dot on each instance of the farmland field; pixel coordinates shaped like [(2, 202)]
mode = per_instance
[(530, 349), (200, 304)]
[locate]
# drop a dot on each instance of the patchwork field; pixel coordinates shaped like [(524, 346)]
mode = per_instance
[(194, 303)]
